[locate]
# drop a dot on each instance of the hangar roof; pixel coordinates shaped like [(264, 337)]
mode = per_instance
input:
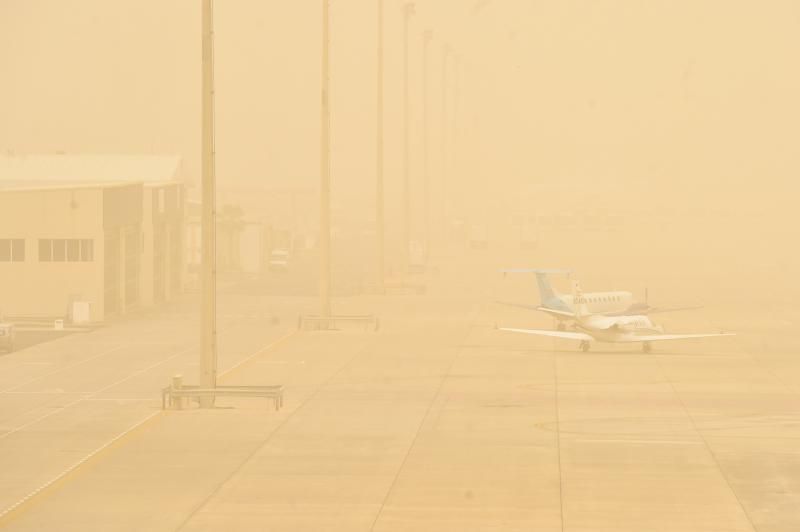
[(59, 171)]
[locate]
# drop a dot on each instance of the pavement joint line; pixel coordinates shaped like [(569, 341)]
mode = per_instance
[(8, 511), (66, 368), (748, 354), (17, 505), (434, 399), (645, 442), (101, 390), (30, 350), (558, 441), (122, 400), (259, 352), (50, 392), (280, 425), (706, 444)]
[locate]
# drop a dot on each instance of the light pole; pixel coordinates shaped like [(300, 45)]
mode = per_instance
[(208, 321), (444, 125), (408, 12), (456, 144), (379, 199), (325, 175), (426, 36)]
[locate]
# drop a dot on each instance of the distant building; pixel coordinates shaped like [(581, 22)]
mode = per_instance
[(102, 230)]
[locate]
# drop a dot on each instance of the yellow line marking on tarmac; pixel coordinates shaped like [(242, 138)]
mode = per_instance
[(8, 514), (258, 353), (14, 510)]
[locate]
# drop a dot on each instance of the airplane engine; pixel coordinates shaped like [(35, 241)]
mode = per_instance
[(634, 323)]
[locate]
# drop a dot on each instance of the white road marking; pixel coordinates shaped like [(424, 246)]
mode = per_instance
[(75, 466), (65, 368), (90, 397), (101, 390)]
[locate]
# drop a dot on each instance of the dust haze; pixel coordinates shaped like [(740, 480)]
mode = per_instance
[(332, 355)]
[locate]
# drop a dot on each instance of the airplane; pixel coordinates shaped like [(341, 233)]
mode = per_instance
[(617, 329), (564, 306)]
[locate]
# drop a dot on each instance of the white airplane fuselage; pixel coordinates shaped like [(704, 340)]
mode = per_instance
[(597, 302), (565, 307)]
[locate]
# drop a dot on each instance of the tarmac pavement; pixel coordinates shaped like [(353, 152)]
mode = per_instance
[(435, 422)]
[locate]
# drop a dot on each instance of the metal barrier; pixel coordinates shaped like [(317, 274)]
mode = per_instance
[(329, 322), (175, 393)]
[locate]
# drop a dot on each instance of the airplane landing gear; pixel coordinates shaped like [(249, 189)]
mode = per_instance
[(646, 347), (584, 346)]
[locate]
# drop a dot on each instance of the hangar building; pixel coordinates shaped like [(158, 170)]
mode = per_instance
[(99, 232)]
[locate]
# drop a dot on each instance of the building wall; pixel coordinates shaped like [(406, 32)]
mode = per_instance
[(122, 225), (137, 248), (40, 288), (147, 249), (163, 234)]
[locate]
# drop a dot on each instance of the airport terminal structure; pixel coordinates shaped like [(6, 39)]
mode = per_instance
[(89, 237)]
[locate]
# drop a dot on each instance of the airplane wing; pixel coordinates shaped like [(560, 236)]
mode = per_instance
[(646, 310), (518, 305), (537, 270), (554, 312), (557, 313), (658, 310), (660, 337), (569, 335)]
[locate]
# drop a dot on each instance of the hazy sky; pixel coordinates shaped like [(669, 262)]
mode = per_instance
[(681, 94)]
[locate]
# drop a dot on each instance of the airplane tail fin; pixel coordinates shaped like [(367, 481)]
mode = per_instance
[(546, 291)]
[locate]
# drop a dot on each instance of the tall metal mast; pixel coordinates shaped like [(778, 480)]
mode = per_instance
[(427, 36), (379, 199), (208, 351), (445, 187), (325, 174), (408, 11)]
